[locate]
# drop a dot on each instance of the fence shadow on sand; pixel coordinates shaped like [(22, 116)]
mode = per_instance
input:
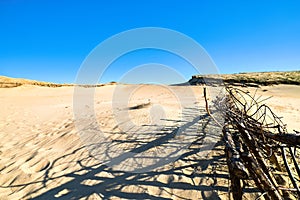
[(191, 176)]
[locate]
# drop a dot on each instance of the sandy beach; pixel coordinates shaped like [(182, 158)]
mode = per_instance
[(49, 149)]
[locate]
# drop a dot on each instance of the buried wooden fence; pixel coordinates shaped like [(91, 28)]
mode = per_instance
[(259, 151)]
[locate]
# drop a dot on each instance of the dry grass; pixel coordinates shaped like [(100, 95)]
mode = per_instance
[(7, 82), (260, 78)]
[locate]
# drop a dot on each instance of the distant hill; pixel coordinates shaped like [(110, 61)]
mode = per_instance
[(243, 79), (250, 79), (7, 82)]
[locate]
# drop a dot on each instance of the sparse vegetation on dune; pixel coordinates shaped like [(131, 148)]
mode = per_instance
[(7, 82), (250, 79), (245, 79)]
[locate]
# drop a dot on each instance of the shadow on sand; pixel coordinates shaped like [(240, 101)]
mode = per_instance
[(188, 176)]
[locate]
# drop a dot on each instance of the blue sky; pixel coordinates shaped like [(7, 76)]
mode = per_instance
[(48, 40)]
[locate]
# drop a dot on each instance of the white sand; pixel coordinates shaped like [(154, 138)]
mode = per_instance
[(48, 151)]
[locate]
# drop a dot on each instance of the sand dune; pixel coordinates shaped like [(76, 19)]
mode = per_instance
[(7, 82), (254, 79), (48, 151)]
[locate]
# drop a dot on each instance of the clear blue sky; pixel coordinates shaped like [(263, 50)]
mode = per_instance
[(48, 40)]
